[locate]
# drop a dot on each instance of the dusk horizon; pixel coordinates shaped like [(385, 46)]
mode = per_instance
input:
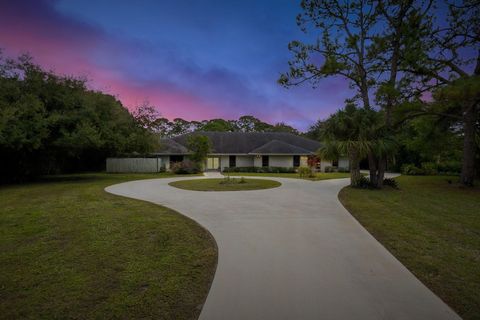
[(187, 61)]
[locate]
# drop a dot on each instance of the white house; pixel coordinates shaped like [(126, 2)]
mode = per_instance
[(248, 149)]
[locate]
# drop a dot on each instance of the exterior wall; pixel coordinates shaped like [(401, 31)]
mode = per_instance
[(242, 161), (134, 164), (325, 163), (224, 162), (281, 161), (245, 161), (257, 161), (343, 163)]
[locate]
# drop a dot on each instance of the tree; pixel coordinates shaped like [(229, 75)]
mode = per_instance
[(283, 127), (147, 116), (405, 23), (315, 131), (200, 146), (446, 66), (179, 126), (347, 29), (54, 124), (218, 125), (350, 132), (251, 124)]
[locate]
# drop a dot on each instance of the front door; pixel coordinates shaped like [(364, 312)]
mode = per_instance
[(213, 163)]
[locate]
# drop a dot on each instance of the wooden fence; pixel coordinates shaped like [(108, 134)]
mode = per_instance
[(124, 165)]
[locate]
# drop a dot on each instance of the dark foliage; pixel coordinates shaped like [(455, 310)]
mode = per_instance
[(53, 124), (390, 182), (185, 167)]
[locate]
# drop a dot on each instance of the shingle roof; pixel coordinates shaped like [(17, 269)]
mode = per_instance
[(279, 147), (244, 143), (170, 146)]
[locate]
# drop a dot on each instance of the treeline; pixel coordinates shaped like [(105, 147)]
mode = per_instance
[(149, 118), (54, 124)]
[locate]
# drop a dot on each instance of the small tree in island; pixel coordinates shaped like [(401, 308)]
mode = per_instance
[(200, 147)]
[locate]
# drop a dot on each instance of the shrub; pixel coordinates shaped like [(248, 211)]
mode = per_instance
[(343, 169), (278, 169), (363, 183), (304, 172), (390, 182), (185, 167), (429, 168), (330, 169), (411, 170), (450, 167)]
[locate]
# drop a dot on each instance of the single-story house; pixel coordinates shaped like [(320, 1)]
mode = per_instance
[(247, 149)]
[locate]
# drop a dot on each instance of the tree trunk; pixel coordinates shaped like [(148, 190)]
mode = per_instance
[(468, 162), (377, 170), (355, 175), (372, 166), (382, 166)]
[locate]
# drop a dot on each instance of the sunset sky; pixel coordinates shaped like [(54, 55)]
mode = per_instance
[(191, 59)]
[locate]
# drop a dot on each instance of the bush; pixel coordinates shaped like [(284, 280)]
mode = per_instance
[(305, 172), (390, 182), (330, 169), (429, 168), (411, 170), (363, 183), (185, 167), (450, 167), (342, 169)]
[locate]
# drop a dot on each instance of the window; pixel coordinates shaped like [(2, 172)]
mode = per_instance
[(176, 159), (335, 163), (232, 161), (264, 161), (296, 161)]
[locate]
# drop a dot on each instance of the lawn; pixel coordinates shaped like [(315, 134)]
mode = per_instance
[(318, 175), (70, 250), (234, 184), (432, 227)]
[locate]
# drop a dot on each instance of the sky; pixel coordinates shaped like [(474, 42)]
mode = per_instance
[(195, 60)]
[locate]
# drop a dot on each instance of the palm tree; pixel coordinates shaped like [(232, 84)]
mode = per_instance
[(353, 132)]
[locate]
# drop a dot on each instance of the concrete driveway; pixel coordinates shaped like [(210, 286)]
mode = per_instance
[(294, 252)]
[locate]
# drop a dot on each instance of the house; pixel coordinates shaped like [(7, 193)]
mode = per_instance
[(247, 149)]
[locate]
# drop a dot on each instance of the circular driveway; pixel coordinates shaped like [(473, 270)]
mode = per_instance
[(294, 252)]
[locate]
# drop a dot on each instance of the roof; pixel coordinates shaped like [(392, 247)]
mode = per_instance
[(170, 146), (279, 147), (244, 143)]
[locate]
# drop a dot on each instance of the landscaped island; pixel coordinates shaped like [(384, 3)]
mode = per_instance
[(226, 184), (431, 225), (70, 250)]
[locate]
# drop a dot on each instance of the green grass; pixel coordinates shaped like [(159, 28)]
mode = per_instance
[(432, 227), (220, 185), (318, 175), (70, 250)]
